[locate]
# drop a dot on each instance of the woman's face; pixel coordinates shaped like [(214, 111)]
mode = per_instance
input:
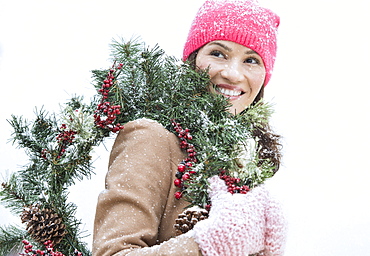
[(236, 72)]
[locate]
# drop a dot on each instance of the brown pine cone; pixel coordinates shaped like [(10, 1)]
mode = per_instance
[(43, 224), (188, 219)]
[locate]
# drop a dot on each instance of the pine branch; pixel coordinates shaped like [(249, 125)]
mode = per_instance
[(57, 160), (22, 134), (10, 240), (259, 114), (14, 195)]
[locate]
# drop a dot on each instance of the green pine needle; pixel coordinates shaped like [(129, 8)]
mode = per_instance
[(11, 240), (148, 84)]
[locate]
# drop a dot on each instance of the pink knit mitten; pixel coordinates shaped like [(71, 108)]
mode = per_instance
[(241, 224)]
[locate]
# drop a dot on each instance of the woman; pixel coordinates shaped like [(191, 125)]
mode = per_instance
[(236, 42)]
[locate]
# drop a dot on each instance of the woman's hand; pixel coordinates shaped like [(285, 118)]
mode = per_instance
[(241, 224)]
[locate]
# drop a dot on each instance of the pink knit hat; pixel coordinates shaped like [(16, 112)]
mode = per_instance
[(241, 21)]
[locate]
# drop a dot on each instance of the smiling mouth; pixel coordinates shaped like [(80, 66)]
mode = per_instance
[(227, 92)]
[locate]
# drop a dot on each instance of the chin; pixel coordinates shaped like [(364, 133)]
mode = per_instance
[(237, 108), (234, 110)]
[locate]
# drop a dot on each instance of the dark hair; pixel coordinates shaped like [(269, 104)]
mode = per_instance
[(268, 142)]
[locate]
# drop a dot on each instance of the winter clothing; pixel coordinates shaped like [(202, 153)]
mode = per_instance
[(227, 231), (137, 211), (138, 208), (241, 21)]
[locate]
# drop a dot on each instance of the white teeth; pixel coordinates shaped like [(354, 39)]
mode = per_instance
[(228, 92)]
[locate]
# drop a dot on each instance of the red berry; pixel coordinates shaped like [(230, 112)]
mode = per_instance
[(208, 207), (178, 195), (186, 176), (177, 182), (183, 144), (181, 168)]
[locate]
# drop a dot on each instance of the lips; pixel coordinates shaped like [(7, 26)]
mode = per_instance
[(228, 90)]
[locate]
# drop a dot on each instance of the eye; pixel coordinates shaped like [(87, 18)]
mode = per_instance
[(217, 54), (252, 60)]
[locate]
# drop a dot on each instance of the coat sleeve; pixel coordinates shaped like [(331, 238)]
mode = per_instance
[(138, 184)]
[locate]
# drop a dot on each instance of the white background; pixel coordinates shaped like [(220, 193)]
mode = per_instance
[(320, 88)]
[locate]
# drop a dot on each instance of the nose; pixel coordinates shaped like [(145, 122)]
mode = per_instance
[(233, 72)]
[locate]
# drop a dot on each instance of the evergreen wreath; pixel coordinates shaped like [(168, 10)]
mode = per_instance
[(142, 83)]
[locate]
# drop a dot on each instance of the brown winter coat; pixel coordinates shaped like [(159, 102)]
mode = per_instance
[(137, 210)]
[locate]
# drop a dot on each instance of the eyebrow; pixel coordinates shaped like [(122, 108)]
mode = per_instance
[(230, 50), (222, 45)]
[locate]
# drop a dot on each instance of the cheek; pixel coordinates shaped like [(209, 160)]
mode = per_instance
[(212, 69), (258, 79), (204, 62), (200, 61)]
